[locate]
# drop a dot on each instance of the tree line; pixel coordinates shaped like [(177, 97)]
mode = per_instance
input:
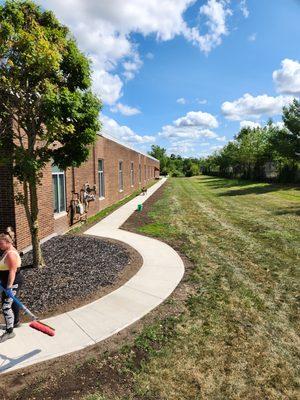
[(175, 165), (271, 152)]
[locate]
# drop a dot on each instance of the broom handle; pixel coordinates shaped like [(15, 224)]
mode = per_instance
[(21, 305)]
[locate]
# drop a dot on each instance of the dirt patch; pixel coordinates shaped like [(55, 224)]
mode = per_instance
[(92, 369), (141, 218)]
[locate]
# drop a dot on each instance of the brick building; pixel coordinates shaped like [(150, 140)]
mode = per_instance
[(112, 172)]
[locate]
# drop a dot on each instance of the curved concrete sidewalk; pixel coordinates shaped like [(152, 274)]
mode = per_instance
[(159, 275)]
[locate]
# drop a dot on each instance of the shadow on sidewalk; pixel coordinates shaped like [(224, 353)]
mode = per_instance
[(15, 361)]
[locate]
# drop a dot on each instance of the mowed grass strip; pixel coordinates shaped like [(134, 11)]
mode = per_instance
[(231, 329), (240, 337)]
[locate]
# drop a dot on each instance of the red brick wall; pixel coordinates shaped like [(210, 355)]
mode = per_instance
[(45, 198), (111, 153), (7, 210), (106, 149), (13, 214)]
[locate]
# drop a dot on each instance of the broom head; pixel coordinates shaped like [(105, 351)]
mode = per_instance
[(39, 326)]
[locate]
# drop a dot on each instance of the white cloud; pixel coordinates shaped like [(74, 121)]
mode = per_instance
[(107, 86), (253, 125), (252, 37), (216, 148), (132, 67), (150, 56), (287, 79), (187, 148), (181, 100), (197, 119), (188, 132), (244, 8), (181, 147), (216, 13), (123, 133), (221, 138), (104, 32), (203, 101), (279, 124), (249, 124), (125, 110), (254, 107)]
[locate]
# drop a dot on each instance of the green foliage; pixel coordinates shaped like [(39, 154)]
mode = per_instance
[(249, 155), (157, 152), (160, 154), (157, 229), (174, 165), (291, 119), (175, 173), (95, 397), (47, 110), (192, 170), (253, 149), (287, 141), (157, 334), (45, 90)]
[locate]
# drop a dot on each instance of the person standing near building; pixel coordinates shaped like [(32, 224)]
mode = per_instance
[(11, 279)]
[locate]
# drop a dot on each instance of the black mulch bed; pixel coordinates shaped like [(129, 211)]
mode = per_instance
[(76, 266)]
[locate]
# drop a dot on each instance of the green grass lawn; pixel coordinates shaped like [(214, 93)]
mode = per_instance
[(239, 338), (231, 329)]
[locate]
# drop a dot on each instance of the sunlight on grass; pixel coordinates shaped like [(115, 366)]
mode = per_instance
[(96, 397), (157, 229), (239, 340), (236, 335)]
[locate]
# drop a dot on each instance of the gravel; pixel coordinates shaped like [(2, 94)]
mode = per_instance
[(76, 266)]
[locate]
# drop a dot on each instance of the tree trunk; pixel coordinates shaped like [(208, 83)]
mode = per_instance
[(31, 208)]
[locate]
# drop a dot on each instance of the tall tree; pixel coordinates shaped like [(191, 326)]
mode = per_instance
[(160, 154), (290, 140), (47, 110), (193, 169)]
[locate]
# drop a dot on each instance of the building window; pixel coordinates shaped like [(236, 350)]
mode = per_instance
[(140, 173), (131, 173), (59, 189), (101, 179), (121, 185)]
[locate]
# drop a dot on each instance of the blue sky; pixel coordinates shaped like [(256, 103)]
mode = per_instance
[(187, 74)]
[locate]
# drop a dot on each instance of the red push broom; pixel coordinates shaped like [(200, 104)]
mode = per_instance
[(35, 324)]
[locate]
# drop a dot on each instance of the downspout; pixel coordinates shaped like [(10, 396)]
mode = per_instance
[(73, 180), (94, 162)]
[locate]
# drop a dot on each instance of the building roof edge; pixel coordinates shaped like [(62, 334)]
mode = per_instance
[(113, 139)]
